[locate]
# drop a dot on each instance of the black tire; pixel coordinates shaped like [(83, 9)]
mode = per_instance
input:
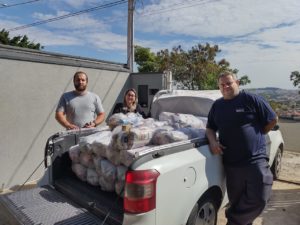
[(276, 166), (204, 212)]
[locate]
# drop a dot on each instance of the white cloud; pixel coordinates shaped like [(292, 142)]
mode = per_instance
[(101, 40), (73, 4), (260, 38), (76, 3), (44, 37), (216, 18), (80, 3), (108, 41), (83, 21)]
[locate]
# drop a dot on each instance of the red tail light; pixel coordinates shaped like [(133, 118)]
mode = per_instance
[(140, 191)]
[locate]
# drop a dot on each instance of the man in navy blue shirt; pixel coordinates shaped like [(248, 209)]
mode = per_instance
[(241, 120)]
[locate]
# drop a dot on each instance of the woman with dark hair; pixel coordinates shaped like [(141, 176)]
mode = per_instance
[(130, 104)]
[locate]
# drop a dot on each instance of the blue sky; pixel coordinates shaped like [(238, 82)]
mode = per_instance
[(260, 38)]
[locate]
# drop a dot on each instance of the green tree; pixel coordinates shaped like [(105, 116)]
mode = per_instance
[(20, 41), (244, 80), (145, 59), (195, 69), (276, 106), (295, 77)]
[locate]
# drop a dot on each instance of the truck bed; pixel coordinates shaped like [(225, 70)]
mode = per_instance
[(44, 206), (68, 202), (90, 197), (93, 198)]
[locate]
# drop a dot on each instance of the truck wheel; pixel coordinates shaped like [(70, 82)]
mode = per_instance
[(276, 166), (204, 212)]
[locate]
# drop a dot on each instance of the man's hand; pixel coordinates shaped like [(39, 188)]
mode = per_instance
[(72, 127), (90, 125), (216, 148), (61, 118), (270, 125)]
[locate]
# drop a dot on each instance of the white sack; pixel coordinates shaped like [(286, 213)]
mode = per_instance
[(166, 116), (193, 132), (100, 140), (108, 176), (92, 177), (204, 120), (85, 142), (159, 124), (101, 143), (121, 171), (74, 153), (179, 120), (108, 170), (127, 156), (135, 138), (97, 163), (80, 171), (135, 119), (116, 119), (113, 156), (163, 137), (86, 160), (122, 119), (106, 184)]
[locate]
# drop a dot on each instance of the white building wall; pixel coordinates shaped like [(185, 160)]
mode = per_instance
[(31, 83)]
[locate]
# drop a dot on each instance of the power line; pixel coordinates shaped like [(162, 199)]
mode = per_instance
[(185, 4), (69, 15), (4, 5)]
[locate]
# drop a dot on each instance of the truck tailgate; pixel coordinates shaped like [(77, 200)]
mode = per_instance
[(44, 206)]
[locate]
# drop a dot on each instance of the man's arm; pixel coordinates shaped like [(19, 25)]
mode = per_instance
[(214, 145), (61, 118), (270, 125), (99, 119)]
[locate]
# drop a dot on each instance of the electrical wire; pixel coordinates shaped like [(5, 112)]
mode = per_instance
[(184, 3), (108, 5), (161, 10), (17, 4), (153, 12)]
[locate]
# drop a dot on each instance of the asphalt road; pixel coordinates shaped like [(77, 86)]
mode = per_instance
[(284, 205), (290, 130), (282, 209)]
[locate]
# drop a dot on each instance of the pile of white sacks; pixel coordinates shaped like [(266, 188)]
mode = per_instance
[(102, 159)]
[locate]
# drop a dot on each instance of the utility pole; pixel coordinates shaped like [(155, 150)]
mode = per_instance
[(130, 50)]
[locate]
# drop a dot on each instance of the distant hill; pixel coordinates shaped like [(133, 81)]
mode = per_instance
[(277, 94)]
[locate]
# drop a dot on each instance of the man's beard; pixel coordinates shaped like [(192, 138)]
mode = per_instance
[(80, 88)]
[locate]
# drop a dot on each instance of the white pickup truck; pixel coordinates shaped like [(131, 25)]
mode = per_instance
[(173, 184)]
